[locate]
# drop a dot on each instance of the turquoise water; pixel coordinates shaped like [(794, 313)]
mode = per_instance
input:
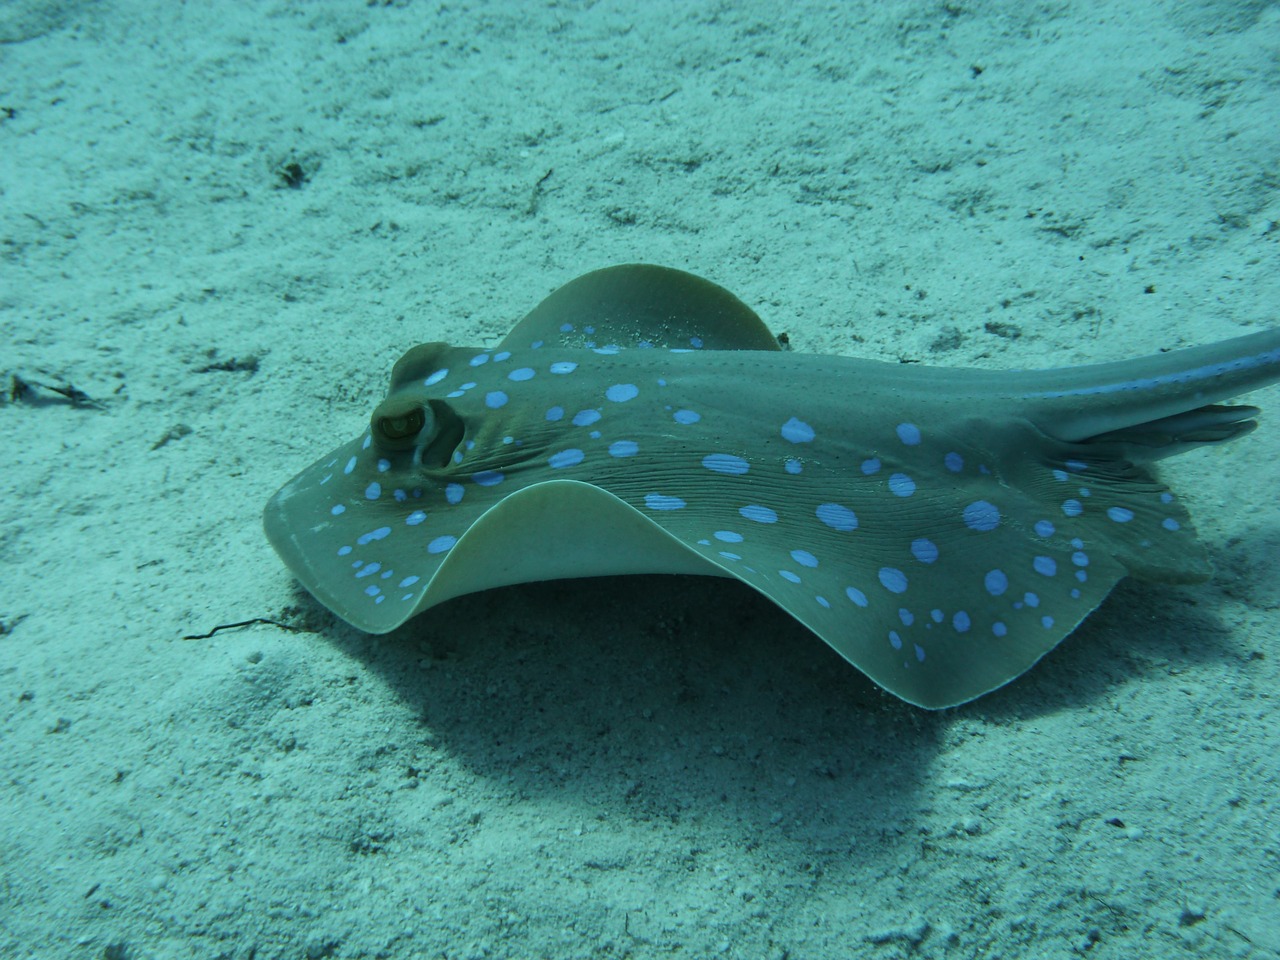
[(222, 224)]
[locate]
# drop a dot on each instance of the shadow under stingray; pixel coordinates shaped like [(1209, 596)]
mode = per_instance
[(668, 698), (660, 698)]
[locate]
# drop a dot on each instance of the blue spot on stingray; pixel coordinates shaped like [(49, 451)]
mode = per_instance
[(566, 458), (624, 448), (441, 544), (408, 581), (369, 570), (996, 582), (1170, 524), (725, 463), (1060, 475), (788, 575), (495, 399), (566, 328), (856, 596), (823, 602), (906, 616), (871, 466), (622, 392), (981, 516), (343, 551), (415, 518), (926, 551), (1080, 558), (1044, 528), (797, 431), (351, 465), (1076, 465), (1031, 599), (953, 462), (453, 493), (901, 485), (584, 418), (1120, 514), (919, 652), (730, 556), (895, 639), (804, 558), (479, 359), (563, 366), (1072, 508), (728, 536), (793, 466), (1046, 622), (686, 416), (555, 413), (383, 464), (378, 534), (754, 511), (373, 591), (658, 501), (837, 517), (436, 377), (999, 629), (501, 355), (337, 509), (961, 622), (487, 478), (908, 433), (1045, 566), (893, 580), (521, 373)]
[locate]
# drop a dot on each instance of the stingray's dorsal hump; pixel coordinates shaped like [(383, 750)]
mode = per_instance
[(641, 305)]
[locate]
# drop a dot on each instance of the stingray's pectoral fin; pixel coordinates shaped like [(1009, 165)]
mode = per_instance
[(555, 530), (642, 305), (1113, 507)]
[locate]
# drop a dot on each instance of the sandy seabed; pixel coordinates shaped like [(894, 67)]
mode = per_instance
[(221, 223)]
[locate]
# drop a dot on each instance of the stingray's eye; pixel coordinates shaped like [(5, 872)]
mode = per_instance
[(398, 425), (401, 426)]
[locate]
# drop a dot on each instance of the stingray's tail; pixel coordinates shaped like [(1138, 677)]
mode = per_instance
[(1158, 405)]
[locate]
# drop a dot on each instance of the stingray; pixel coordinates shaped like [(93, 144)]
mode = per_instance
[(942, 529)]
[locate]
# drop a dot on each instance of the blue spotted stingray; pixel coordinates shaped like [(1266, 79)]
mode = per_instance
[(942, 529)]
